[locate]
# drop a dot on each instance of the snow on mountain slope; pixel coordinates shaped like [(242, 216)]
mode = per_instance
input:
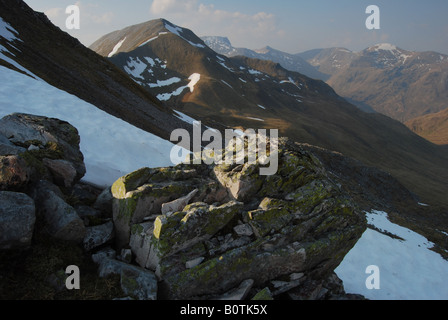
[(408, 269), (111, 147)]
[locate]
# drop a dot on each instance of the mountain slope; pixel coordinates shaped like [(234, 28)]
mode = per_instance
[(288, 61), (399, 83), (245, 92), (433, 127), (65, 63)]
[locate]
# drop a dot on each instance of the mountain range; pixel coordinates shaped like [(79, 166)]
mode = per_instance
[(243, 92), (383, 78)]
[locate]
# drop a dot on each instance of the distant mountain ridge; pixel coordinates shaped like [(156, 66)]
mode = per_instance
[(398, 83), (288, 61)]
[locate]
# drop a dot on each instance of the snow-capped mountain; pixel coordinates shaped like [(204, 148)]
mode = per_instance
[(242, 92), (288, 61), (399, 83)]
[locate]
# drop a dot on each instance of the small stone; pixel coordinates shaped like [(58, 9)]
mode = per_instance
[(194, 263), (243, 230)]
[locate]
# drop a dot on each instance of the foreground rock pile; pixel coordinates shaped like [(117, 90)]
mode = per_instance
[(184, 232)]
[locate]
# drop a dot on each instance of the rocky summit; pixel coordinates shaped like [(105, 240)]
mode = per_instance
[(219, 231)]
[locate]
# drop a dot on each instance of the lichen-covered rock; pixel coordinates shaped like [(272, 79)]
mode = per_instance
[(17, 218), (198, 222), (140, 195), (136, 282), (265, 228)]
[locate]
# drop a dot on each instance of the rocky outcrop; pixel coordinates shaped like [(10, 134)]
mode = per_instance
[(239, 226)]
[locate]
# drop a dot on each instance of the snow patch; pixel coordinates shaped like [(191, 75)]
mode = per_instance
[(111, 146), (8, 32), (184, 117), (194, 79), (164, 83), (116, 48), (226, 84), (409, 270), (148, 41), (385, 47), (254, 72), (177, 31), (256, 119), (135, 67)]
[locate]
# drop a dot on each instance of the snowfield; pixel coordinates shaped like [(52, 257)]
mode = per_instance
[(111, 146), (409, 270)]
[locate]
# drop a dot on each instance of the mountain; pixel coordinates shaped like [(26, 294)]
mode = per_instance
[(398, 83), (433, 127), (175, 65), (63, 62), (288, 61)]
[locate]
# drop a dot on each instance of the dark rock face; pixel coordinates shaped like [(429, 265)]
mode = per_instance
[(17, 218)]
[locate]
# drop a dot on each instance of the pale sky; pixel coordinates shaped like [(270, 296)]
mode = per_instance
[(289, 25)]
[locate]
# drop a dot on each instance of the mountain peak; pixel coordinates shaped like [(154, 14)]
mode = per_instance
[(217, 40), (384, 47)]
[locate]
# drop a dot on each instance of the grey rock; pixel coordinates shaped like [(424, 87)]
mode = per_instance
[(126, 255), (7, 148), (140, 242), (243, 230), (239, 293), (62, 221), (104, 201), (98, 235), (139, 283), (54, 134), (179, 204), (106, 253), (63, 171), (193, 263), (14, 173), (136, 282), (17, 219)]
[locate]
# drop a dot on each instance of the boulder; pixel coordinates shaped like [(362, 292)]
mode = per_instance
[(140, 195), (136, 282), (179, 204), (103, 202), (14, 173), (63, 171), (7, 148), (98, 235), (53, 139), (61, 220), (17, 219)]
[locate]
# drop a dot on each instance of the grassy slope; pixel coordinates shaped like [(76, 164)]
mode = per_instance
[(433, 127)]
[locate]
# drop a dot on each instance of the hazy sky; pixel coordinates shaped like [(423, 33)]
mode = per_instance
[(288, 25)]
